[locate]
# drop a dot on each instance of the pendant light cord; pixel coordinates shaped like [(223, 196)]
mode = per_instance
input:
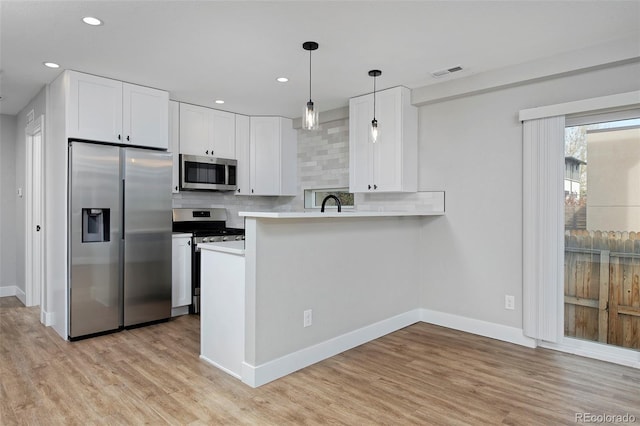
[(374, 97), (309, 75)]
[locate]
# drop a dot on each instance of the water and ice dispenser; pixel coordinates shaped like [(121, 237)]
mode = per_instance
[(95, 225)]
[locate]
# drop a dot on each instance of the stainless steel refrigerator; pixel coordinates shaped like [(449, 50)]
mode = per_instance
[(119, 237)]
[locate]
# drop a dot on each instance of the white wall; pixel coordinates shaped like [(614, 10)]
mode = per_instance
[(368, 272), (471, 147), (7, 204)]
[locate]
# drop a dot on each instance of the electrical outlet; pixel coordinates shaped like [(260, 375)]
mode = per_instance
[(308, 318), (509, 302)]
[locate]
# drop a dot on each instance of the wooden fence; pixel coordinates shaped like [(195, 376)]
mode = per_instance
[(602, 286)]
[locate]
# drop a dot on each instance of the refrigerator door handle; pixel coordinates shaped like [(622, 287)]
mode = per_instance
[(122, 208)]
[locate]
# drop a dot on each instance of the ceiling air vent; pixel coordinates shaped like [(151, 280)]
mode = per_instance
[(442, 73)]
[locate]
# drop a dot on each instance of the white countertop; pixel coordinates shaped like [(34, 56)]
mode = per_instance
[(181, 234), (334, 214), (232, 247)]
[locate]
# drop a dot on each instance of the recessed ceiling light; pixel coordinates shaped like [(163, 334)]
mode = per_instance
[(219, 101), (51, 65), (282, 79), (90, 20)]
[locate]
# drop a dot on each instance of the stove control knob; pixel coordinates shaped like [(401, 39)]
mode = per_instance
[(205, 239), (225, 238)]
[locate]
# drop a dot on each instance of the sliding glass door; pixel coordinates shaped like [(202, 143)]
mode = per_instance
[(602, 231)]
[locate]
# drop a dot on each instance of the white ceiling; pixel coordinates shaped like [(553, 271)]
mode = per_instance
[(204, 50)]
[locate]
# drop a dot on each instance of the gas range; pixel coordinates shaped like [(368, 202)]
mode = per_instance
[(205, 226), (224, 234), (205, 223)]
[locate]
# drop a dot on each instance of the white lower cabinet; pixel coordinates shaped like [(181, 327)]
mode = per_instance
[(222, 322), (181, 274)]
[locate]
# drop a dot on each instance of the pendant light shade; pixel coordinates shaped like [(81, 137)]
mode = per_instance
[(310, 116), (374, 122)]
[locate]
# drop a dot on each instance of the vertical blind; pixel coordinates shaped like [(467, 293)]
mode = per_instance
[(543, 227)]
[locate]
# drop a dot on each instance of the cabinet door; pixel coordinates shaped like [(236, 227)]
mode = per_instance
[(95, 108), (265, 156), (387, 158), (145, 116), (243, 140), (288, 159), (360, 145), (194, 129), (181, 272), (223, 134), (174, 144)]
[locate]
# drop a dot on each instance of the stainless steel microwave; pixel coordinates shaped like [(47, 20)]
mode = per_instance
[(207, 173)]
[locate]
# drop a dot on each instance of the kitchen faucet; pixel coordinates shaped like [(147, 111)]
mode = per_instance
[(337, 200)]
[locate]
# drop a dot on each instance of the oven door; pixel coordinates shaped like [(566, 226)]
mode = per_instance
[(207, 173), (195, 278)]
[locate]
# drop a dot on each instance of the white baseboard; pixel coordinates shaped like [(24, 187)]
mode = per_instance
[(8, 290), (13, 290), (255, 376), (481, 328), (21, 296), (226, 370), (180, 310), (46, 318), (596, 350)]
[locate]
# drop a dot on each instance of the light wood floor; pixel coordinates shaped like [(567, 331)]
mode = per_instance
[(422, 374)]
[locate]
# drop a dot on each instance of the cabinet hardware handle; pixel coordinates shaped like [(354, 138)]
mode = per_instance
[(188, 243), (368, 186), (252, 190), (176, 187), (37, 228), (207, 152), (238, 189), (119, 138), (128, 138), (375, 186)]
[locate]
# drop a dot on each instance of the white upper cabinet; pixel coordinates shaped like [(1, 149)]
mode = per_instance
[(273, 156), (206, 131), (390, 164), (223, 134), (174, 143), (145, 116), (105, 110), (243, 141), (95, 108), (194, 129)]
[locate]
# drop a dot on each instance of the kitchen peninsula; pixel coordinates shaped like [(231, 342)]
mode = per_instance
[(307, 286)]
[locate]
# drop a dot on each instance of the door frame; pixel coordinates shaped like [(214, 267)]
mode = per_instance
[(34, 221)]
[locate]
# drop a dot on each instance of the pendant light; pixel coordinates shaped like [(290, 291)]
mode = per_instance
[(374, 122), (310, 117)]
